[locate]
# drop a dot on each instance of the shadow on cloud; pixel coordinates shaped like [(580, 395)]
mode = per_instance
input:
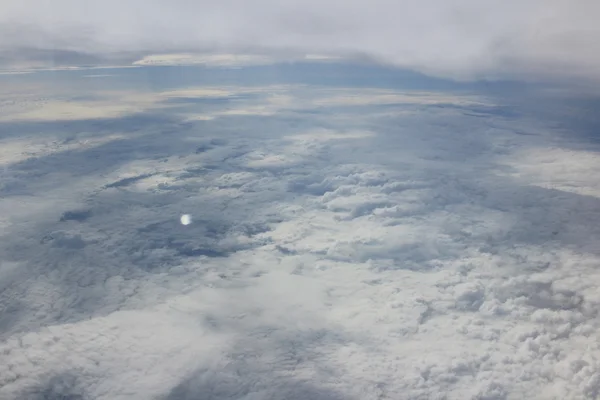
[(234, 383)]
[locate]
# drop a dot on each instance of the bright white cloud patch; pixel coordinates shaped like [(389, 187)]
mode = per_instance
[(456, 38), (347, 243)]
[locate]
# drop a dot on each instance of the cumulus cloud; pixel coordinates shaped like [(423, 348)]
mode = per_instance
[(460, 38), (414, 244)]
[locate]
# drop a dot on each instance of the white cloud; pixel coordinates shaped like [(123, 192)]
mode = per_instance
[(385, 249), (458, 38), (212, 60)]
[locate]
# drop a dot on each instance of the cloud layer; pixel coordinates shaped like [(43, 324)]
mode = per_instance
[(458, 38), (345, 243)]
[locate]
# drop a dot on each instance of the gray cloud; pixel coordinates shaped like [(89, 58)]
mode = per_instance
[(462, 39)]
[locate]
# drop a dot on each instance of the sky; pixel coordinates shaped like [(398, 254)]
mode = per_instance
[(457, 39), (346, 239)]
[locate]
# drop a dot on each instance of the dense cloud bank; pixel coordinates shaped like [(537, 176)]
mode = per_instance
[(465, 39)]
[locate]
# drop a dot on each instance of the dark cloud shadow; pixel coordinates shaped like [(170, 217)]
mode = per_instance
[(216, 101), (70, 128), (263, 365), (236, 380), (62, 386), (569, 113), (144, 136), (231, 384)]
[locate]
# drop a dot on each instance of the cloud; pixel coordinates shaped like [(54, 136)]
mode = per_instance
[(463, 39), (408, 245)]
